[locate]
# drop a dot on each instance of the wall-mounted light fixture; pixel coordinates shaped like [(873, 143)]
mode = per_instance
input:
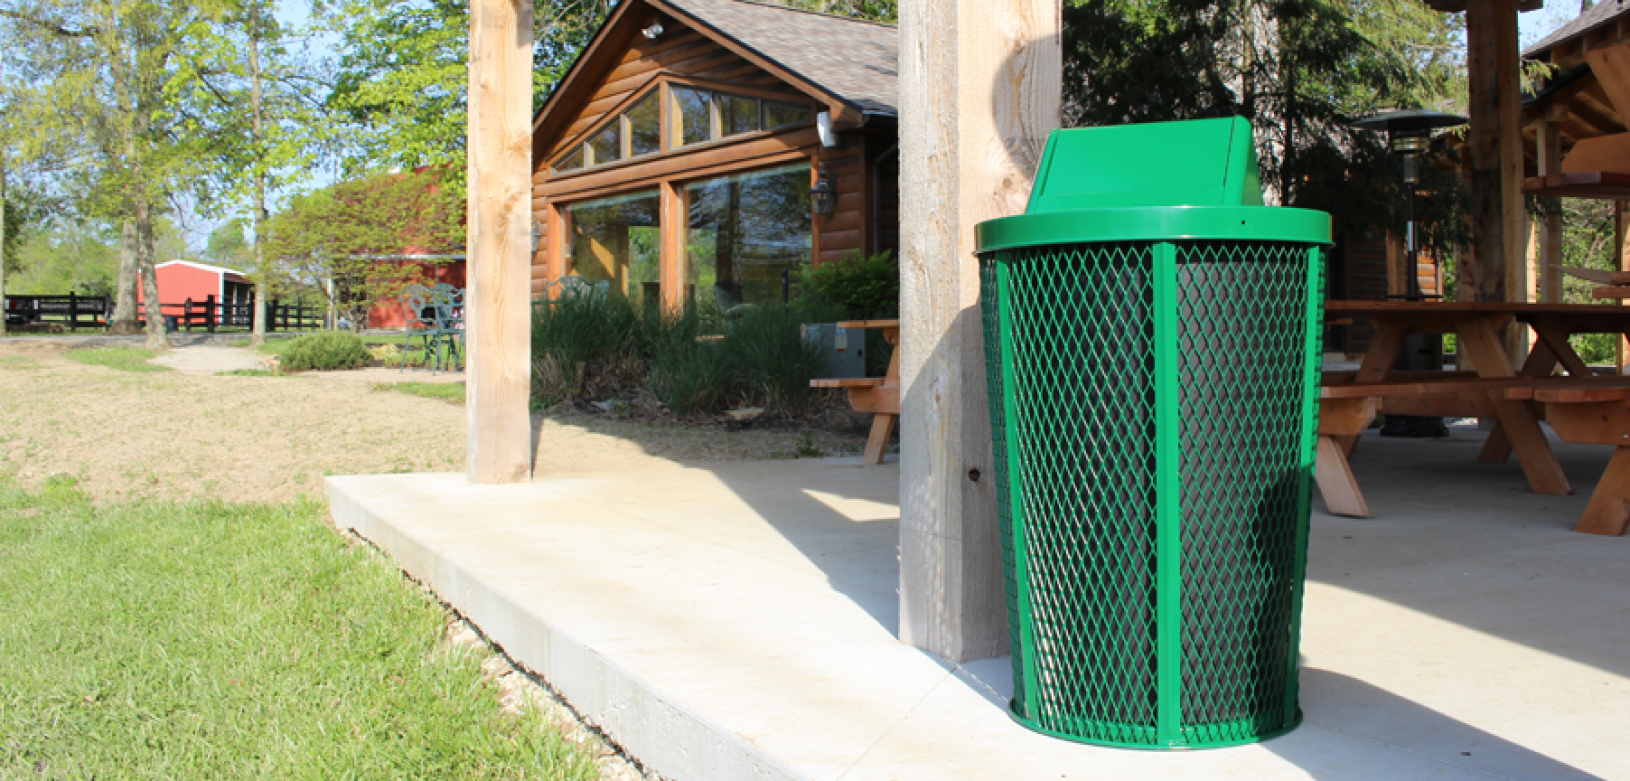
[(823, 196), (537, 235), (654, 30)]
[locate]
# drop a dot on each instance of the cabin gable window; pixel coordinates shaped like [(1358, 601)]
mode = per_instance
[(694, 115)]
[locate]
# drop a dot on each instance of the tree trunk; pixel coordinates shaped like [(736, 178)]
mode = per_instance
[(3, 310), (156, 339), (258, 330), (124, 294)]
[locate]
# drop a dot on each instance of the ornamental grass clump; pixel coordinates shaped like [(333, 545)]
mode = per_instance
[(326, 351), (692, 361)]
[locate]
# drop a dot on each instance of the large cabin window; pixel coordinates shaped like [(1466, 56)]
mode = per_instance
[(744, 231), (695, 116), (617, 240)]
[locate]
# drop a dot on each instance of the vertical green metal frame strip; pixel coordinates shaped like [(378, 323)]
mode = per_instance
[(1168, 515), (1015, 467), (1309, 456)]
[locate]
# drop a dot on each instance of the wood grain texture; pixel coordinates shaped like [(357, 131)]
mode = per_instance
[(1549, 260), (497, 310), (1611, 66), (1492, 81), (1520, 420), (980, 84), (1337, 484), (1609, 510), (671, 249)]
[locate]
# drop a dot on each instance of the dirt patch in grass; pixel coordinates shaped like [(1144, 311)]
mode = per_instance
[(253, 438)]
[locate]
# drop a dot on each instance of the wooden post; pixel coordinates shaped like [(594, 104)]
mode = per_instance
[(980, 88), (1549, 261), (1495, 143), (1397, 266), (498, 430), (1621, 227), (671, 254)]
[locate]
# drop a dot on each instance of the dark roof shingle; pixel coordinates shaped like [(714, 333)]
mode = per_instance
[(1604, 12), (856, 61)]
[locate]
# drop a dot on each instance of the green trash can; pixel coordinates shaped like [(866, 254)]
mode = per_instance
[(1152, 339)]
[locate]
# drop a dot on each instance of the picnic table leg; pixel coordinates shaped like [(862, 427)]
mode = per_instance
[(877, 443), (1336, 482), (1377, 364), (1609, 510), (1549, 349), (1519, 419)]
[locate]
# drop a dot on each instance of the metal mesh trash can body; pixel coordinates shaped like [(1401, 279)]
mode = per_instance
[(1153, 379)]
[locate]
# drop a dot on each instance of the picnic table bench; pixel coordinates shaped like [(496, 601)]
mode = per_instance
[(1598, 414), (1348, 401), (877, 395)]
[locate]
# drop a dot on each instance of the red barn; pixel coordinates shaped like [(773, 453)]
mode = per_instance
[(389, 313), (181, 280)]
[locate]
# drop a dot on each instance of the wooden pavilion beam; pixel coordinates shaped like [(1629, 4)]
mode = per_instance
[(498, 430), (980, 89)]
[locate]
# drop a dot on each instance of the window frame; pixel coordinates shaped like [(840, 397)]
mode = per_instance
[(663, 86)]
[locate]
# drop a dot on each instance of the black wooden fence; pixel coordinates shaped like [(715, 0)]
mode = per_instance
[(210, 314), (76, 311), (72, 311)]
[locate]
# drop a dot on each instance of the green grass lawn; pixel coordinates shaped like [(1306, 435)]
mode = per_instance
[(207, 640), (129, 359), (446, 391)]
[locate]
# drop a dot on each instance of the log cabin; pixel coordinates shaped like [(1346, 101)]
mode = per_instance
[(703, 151)]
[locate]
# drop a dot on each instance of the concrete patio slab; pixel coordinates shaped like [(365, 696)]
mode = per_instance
[(737, 621)]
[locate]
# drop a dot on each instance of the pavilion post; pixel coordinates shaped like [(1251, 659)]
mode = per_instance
[(980, 89), (1549, 260), (1495, 146), (497, 319)]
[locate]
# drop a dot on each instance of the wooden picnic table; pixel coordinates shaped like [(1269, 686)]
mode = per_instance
[(877, 395), (1348, 402)]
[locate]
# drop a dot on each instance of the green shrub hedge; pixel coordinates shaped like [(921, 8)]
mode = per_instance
[(325, 351)]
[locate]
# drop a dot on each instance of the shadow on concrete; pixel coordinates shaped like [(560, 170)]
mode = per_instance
[(1470, 543), (1340, 709), (1338, 703), (858, 554)]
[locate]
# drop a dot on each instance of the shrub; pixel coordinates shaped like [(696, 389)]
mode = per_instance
[(854, 288), (585, 344), (325, 351), (693, 361), (769, 360), (687, 369)]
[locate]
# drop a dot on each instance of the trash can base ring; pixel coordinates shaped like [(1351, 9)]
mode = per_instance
[(1243, 728)]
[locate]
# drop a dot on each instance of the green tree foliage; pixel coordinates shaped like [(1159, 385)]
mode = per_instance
[(98, 88), (372, 236), (65, 257), (1299, 70), (402, 84), (259, 101)]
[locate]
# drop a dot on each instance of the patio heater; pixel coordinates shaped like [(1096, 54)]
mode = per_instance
[(1409, 134)]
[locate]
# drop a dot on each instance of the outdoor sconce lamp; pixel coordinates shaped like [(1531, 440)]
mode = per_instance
[(537, 236), (653, 31), (823, 196), (1409, 133)]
